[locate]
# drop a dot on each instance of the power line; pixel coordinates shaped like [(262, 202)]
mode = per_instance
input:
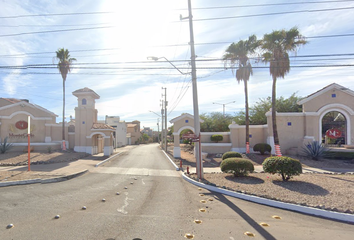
[(195, 20), (268, 4), (57, 14), (153, 46), (272, 14), (54, 25), (52, 65), (201, 8), (53, 31)]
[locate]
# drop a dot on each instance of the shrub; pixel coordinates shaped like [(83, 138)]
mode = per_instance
[(4, 147), (338, 155), (262, 148), (238, 166), (216, 137), (315, 150), (284, 166), (231, 155)]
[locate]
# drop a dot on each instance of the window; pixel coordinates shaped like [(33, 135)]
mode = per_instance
[(84, 101)]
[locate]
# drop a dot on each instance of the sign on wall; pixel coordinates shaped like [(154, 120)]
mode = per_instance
[(16, 130), (334, 133), (21, 125)]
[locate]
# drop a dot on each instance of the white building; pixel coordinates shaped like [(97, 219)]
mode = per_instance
[(121, 130)]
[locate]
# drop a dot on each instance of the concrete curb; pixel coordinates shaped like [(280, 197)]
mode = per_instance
[(64, 178), (106, 160), (43, 181), (344, 217), (173, 163), (22, 182)]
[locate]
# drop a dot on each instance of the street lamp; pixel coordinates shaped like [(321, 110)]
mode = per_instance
[(157, 58), (194, 90), (223, 106)]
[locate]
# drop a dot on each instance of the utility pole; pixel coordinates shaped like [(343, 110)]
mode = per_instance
[(223, 106), (158, 131), (162, 135), (165, 119), (198, 154)]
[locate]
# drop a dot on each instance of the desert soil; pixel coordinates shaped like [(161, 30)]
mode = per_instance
[(333, 192), (21, 159), (326, 191)]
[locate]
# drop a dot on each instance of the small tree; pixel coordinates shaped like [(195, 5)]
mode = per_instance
[(284, 166), (216, 137), (262, 148), (231, 154), (238, 166)]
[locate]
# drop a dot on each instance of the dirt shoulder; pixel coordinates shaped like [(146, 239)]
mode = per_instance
[(21, 159)]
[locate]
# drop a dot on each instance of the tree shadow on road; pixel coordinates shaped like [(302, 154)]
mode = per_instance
[(265, 234)]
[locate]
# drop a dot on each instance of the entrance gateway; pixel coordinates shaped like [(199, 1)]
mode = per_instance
[(327, 116)]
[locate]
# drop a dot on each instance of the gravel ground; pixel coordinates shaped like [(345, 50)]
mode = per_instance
[(333, 192), (21, 159), (330, 192)]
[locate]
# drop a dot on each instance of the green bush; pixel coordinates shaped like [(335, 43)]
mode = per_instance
[(216, 138), (4, 147), (231, 155), (338, 155), (262, 148), (284, 166), (315, 150), (238, 166)]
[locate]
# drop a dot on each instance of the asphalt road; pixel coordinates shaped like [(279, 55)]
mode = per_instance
[(154, 202)]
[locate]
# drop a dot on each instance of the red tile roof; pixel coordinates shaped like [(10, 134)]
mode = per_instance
[(102, 126)]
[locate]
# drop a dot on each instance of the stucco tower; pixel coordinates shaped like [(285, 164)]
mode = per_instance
[(85, 117)]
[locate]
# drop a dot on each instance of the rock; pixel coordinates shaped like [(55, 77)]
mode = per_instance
[(10, 226)]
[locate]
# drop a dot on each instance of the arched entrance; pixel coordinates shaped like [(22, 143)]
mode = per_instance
[(334, 128), (101, 142), (185, 121)]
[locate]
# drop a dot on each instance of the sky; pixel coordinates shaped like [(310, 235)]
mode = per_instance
[(112, 40)]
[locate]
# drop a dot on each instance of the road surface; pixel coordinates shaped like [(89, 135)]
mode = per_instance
[(140, 195)]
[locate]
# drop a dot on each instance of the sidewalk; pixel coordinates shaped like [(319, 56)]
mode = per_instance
[(55, 172)]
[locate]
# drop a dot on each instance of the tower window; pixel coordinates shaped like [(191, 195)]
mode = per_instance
[(84, 101)]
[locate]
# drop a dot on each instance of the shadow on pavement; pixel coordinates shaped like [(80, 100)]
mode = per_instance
[(245, 216)]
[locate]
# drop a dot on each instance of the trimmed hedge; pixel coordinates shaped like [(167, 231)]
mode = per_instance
[(338, 155), (238, 166), (284, 166), (262, 148), (216, 137), (231, 155)]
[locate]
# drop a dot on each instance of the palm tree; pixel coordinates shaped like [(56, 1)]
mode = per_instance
[(64, 66), (237, 55), (277, 45)]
